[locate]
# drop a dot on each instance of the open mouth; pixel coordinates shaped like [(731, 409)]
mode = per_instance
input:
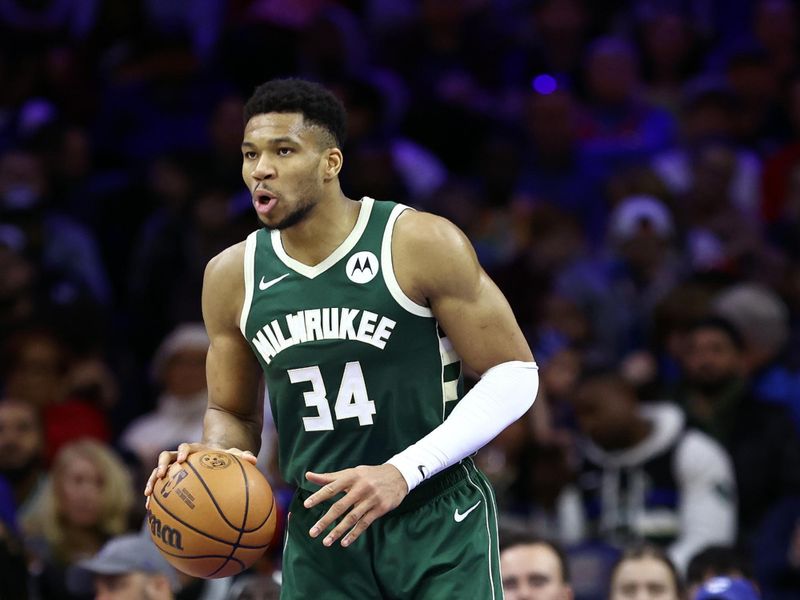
[(264, 202)]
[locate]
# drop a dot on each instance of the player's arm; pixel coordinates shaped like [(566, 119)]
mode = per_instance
[(234, 416), (436, 266)]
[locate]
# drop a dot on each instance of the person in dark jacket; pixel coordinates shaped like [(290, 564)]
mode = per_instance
[(759, 436)]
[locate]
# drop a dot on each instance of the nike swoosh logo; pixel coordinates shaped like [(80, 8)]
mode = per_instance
[(458, 517), (262, 285)]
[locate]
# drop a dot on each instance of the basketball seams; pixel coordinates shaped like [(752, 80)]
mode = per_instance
[(227, 564), (211, 496), (236, 545), (200, 531)]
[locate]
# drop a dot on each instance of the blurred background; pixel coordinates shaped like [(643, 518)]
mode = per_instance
[(627, 170)]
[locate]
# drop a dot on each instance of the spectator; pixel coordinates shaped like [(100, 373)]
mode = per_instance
[(126, 567), (776, 551), (179, 369), (727, 588), (21, 452), (715, 561), (643, 475), (719, 400), (534, 569), (619, 292), (86, 501), (645, 572)]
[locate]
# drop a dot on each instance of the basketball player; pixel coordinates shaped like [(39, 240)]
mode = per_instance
[(359, 312)]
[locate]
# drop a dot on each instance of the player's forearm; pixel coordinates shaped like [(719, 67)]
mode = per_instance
[(225, 429), (502, 396)]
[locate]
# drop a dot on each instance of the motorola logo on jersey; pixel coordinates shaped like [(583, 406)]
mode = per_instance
[(362, 267)]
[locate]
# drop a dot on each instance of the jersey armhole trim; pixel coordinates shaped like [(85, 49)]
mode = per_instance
[(388, 268), (249, 275)]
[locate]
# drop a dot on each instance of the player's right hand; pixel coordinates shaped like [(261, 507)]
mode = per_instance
[(167, 457)]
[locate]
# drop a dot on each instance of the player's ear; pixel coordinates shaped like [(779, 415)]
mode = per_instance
[(333, 163)]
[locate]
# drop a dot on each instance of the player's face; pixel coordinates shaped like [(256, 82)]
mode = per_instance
[(643, 579), (283, 165), (533, 572)]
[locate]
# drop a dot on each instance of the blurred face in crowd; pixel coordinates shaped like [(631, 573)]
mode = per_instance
[(37, 374), (20, 439), (712, 359), (644, 578), (185, 374), (284, 164), (612, 75), (132, 586), (606, 411), (533, 572), (80, 492)]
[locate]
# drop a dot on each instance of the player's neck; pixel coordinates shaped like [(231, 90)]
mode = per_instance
[(312, 240)]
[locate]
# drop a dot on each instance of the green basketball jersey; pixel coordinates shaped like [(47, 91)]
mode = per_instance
[(355, 370)]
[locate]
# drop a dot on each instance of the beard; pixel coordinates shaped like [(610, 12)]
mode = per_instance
[(711, 386), (17, 473), (299, 214)]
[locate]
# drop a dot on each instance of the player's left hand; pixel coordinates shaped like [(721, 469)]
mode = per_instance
[(369, 492)]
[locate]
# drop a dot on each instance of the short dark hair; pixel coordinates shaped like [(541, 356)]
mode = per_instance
[(716, 561), (317, 104), (721, 325), (519, 539), (641, 550)]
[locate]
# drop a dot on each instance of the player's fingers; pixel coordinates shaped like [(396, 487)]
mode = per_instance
[(365, 521), (165, 459), (330, 487), (323, 478), (334, 512), (184, 450), (151, 481), (349, 521), (243, 454)]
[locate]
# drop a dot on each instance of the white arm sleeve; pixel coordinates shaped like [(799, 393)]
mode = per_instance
[(502, 396)]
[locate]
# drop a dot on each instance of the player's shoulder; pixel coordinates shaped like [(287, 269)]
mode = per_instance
[(227, 264), (424, 234)]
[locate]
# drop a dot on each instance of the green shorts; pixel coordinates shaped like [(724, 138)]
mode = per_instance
[(441, 542)]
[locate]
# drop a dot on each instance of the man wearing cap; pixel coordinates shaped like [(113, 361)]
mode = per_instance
[(727, 588), (128, 567)]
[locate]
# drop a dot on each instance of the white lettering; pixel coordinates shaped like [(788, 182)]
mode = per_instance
[(383, 332), (297, 327), (263, 346), (347, 330), (330, 323), (314, 324), (366, 327)]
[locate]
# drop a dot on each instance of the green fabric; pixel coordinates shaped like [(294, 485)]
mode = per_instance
[(422, 553), (340, 402)]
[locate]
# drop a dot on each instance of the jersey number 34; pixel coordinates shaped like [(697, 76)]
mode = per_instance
[(352, 401)]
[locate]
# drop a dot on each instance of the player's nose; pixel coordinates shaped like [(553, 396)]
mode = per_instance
[(263, 169)]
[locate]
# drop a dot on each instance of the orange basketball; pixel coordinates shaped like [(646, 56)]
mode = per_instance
[(213, 515)]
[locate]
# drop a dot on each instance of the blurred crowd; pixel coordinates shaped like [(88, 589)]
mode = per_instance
[(627, 170)]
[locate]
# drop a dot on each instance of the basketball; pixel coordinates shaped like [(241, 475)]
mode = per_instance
[(213, 515)]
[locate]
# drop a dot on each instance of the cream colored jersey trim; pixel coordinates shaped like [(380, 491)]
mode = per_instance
[(343, 250), (249, 279), (388, 268)]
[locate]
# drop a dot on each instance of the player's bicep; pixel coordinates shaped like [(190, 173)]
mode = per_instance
[(481, 325), (232, 370), (440, 266), (233, 377)]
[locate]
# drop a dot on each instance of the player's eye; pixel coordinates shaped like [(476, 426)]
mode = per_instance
[(284, 151), (249, 155)]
